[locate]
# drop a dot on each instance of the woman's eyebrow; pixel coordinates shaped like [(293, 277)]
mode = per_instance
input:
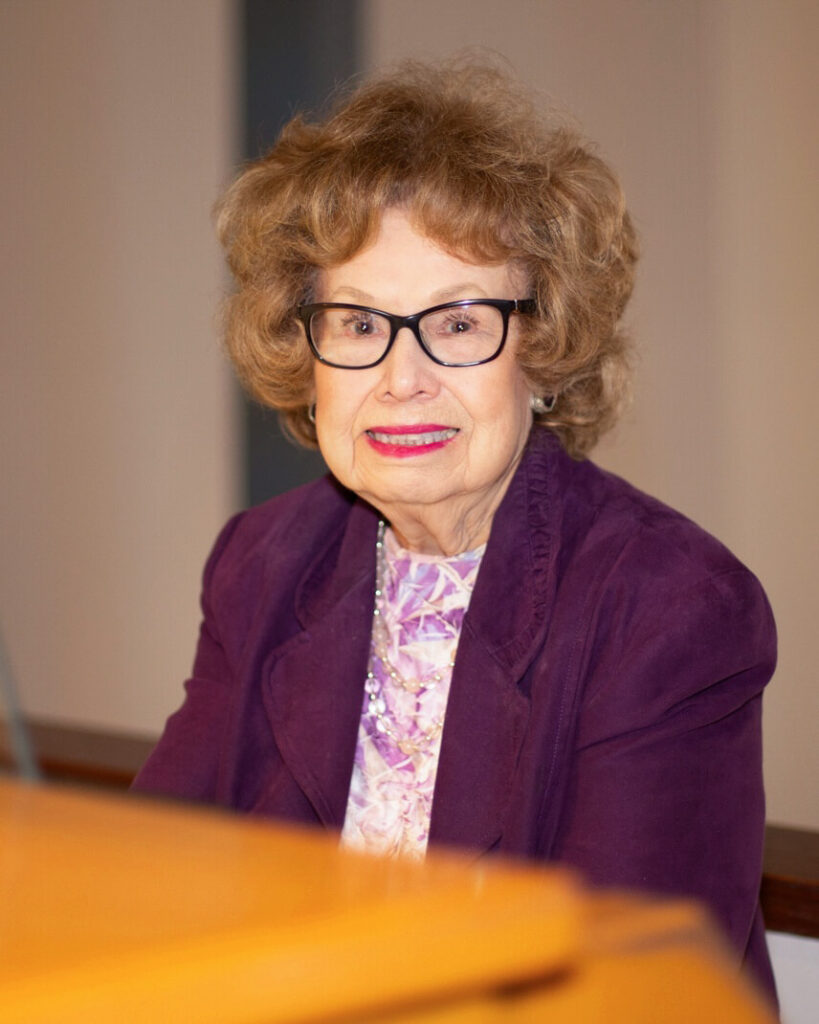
[(468, 290), (348, 292)]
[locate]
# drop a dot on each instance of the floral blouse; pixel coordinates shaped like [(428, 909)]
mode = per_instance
[(421, 609)]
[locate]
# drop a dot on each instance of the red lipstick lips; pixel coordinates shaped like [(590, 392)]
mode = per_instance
[(411, 440)]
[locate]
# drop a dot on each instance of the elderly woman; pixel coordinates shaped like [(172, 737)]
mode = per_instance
[(466, 634)]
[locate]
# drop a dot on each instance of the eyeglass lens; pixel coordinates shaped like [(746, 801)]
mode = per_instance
[(457, 335)]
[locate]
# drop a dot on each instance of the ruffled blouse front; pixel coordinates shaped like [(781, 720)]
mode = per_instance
[(422, 606)]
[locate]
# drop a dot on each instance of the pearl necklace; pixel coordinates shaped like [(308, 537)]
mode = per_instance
[(377, 706)]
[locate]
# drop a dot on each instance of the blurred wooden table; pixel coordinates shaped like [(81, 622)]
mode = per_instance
[(121, 909)]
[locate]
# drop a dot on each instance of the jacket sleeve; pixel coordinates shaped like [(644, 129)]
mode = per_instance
[(666, 793), (185, 762)]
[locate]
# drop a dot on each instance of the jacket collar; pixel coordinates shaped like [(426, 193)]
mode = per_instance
[(489, 705), (316, 678), (516, 581)]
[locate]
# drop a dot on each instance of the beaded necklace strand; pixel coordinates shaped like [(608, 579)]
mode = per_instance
[(377, 705)]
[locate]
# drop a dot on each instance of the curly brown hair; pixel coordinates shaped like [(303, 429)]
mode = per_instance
[(485, 177)]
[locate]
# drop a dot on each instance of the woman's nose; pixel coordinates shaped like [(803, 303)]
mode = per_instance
[(408, 372)]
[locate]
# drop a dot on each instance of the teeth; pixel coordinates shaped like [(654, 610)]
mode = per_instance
[(413, 440)]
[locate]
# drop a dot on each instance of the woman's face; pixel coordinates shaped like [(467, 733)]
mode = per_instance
[(480, 415)]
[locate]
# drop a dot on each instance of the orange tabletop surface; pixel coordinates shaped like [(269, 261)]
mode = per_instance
[(165, 913), (125, 909)]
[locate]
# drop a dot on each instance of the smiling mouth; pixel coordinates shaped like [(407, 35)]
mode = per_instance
[(413, 440)]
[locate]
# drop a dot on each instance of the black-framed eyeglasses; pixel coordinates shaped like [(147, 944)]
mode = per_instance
[(465, 333)]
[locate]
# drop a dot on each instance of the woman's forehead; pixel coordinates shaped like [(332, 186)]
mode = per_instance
[(447, 239), (402, 262)]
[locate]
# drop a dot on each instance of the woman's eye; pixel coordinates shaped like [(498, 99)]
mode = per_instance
[(359, 326), (458, 325)]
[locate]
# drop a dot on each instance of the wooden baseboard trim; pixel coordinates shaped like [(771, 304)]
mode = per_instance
[(72, 753), (790, 884)]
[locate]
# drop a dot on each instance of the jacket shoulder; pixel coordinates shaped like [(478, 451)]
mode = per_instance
[(263, 546), (649, 536), (283, 524), (659, 587)]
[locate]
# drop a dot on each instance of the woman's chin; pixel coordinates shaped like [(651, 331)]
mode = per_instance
[(411, 483), (421, 473), (421, 496)]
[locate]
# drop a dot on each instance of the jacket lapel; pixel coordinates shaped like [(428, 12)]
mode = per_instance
[(485, 723), (315, 681)]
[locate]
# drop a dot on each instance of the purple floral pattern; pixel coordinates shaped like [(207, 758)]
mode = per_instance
[(422, 607)]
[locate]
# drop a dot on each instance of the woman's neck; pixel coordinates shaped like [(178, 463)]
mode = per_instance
[(429, 532)]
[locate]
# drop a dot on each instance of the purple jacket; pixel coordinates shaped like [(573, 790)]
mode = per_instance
[(604, 709)]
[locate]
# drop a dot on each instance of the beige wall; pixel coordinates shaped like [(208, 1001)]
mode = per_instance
[(118, 452), (766, 265), (117, 437), (708, 111)]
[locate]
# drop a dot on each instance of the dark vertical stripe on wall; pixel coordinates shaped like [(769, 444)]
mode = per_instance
[(295, 54)]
